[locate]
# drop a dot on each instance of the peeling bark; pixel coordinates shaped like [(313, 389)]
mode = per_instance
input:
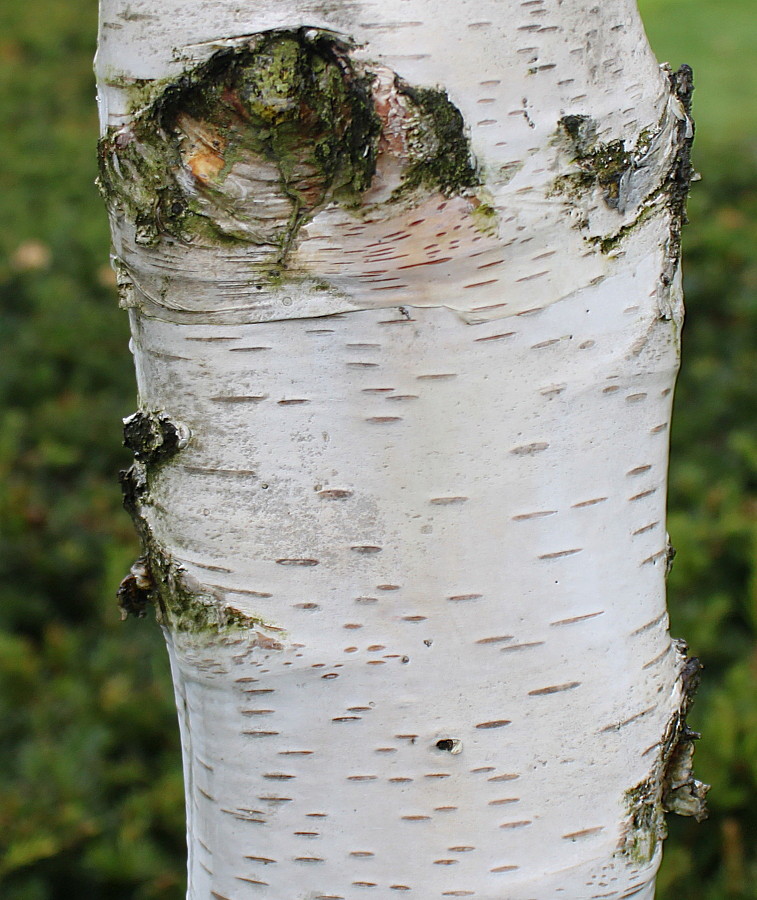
[(404, 290)]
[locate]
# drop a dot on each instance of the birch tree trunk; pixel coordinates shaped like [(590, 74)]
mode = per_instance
[(405, 299)]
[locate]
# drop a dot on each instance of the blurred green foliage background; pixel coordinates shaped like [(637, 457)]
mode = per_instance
[(90, 782)]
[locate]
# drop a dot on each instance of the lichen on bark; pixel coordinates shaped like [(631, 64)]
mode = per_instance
[(598, 164), (250, 145), (288, 111), (620, 172), (439, 152)]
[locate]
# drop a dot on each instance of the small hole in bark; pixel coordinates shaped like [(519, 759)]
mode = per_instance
[(449, 745)]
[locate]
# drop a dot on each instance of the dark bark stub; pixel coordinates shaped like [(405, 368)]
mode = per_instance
[(153, 437), (134, 593)]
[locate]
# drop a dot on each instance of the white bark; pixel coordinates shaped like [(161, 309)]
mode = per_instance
[(410, 546)]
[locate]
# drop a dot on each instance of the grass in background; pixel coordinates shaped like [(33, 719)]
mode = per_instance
[(719, 41), (90, 787), (90, 783)]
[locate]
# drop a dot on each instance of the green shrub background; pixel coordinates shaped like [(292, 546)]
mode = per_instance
[(90, 782)]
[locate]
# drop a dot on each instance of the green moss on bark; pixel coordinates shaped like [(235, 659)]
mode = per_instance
[(291, 100), (646, 822), (184, 605), (181, 603), (288, 116), (600, 164), (606, 165), (439, 149)]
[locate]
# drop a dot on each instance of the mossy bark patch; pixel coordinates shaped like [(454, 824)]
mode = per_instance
[(439, 152), (252, 144), (185, 605), (626, 175), (288, 114), (181, 603), (599, 164), (682, 172), (609, 242)]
